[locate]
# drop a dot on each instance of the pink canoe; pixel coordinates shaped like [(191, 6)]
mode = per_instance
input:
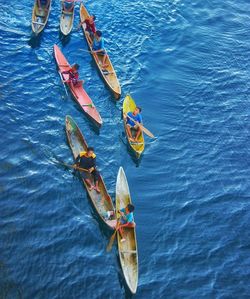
[(78, 92)]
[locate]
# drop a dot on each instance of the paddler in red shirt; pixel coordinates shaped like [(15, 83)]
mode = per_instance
[(90, 26), (73, 75)]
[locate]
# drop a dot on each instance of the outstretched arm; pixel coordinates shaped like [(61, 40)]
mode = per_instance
[(93, 165)]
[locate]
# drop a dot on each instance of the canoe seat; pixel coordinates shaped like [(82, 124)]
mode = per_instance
[(67, 12), (107, 73), (128, 251), (38, 23), (136, 143)]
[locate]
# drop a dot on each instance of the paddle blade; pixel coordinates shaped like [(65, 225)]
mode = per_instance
[(111, 241), (146, 131)]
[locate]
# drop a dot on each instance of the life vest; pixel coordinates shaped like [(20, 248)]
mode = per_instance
[(85, 154)]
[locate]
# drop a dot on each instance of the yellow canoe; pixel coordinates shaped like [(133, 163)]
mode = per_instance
[(39, 17), (128, 253), (138, 147), (102, 202), (109, 74)]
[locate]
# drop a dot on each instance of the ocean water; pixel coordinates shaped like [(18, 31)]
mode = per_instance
[(186, 63)]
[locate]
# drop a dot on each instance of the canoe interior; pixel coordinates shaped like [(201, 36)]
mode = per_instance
[(102, 202), (109, 74), (127, 250), (39, 17), (67, 19), (129, 106)]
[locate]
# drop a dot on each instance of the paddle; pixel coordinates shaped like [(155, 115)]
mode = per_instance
[(86, 51), (145, 130), (63, 83), (112, 239), (73, 166)]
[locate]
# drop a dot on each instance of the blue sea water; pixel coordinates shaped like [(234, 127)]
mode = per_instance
[(187, 64)]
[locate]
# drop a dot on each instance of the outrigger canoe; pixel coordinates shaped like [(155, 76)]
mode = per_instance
[(102, 202), (40, 17), (67, 18), (137, 147), (78, 92), (108, 74), (127, 250)]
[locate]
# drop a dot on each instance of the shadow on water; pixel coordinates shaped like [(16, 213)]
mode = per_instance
[(65, 39), (8, 289), (91, 125), (35, 41), (121, 279), (123, 139), (103, 228)]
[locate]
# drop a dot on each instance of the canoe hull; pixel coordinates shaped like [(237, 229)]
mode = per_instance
[(129, 105), (66, 20), (39, 18), (128, 253), (78, 92), (109, 75), (102, 201)]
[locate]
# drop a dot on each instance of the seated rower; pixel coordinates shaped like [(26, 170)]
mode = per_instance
[(73, 75), (126, 219), (98, 47), (131, 119), (87, 160), (90, 26), (43, 3), (68, 5)]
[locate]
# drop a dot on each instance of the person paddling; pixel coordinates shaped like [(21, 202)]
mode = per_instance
[(126, 219), (73, 75), (87, 160), (98, 47), (90, 26), (131, 119)]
